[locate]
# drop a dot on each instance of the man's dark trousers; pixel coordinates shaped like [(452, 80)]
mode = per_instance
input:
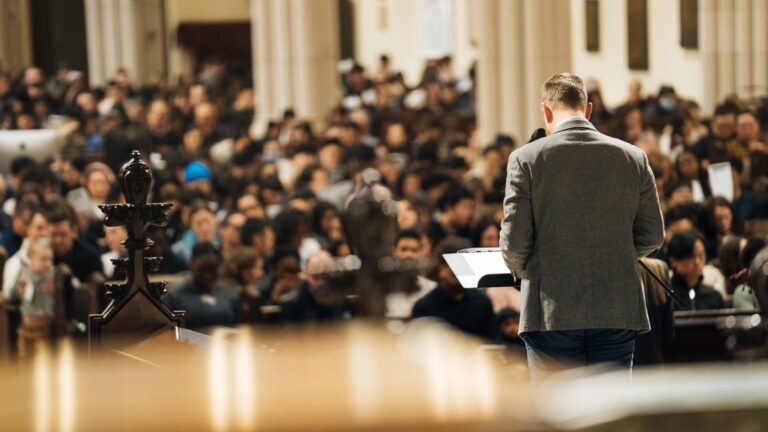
[(552, 350)]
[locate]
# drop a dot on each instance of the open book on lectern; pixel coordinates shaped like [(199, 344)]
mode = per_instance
[(481, 268)]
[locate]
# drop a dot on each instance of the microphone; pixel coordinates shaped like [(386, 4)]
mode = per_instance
[(537, 134)]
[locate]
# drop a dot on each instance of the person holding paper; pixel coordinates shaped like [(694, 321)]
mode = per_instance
[(580, 208)]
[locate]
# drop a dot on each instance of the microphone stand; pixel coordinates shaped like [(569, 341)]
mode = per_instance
[(667, 288)]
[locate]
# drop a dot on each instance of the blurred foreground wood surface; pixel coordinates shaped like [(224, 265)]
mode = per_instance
[(359, 376)]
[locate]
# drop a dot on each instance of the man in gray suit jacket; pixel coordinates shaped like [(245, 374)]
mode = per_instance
[(580, 209)]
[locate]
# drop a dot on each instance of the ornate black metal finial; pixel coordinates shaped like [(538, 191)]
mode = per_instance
[(135, 306), (135, 180)]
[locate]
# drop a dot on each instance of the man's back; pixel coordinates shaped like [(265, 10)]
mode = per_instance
[(580, 209)]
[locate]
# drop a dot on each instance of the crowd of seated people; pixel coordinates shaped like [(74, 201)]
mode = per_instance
[(254, 218)]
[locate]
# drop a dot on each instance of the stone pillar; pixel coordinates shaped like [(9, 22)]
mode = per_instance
[(535, 43), (515, 56), (112, 37), (111, 34), (511, 59), (129, 58), (295, 49), (15, 35), (94, 42), (742, 48), (759, 51), (726, 61), (316, 52), (708, 32), (261, 45), (488, 102)]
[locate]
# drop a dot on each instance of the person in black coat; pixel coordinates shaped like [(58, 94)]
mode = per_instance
[(469, 310), (687, 255), (316, 300)]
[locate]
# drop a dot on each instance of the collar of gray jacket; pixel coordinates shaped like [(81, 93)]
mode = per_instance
[(577, 122)]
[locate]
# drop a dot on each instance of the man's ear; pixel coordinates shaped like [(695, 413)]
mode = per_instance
[(588, 111), (549, 116)]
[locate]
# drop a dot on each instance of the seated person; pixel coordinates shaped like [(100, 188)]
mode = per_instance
[(15, 232), (316, 300), (81, 257), (508, 325), (203, 229), (171, 264), (206, 301), (36, 289), (242, 270), (687, 257), (736, 255), (283, 278), (469, 310), (400, 303), (115, 249), (37, 228), (457, 207)]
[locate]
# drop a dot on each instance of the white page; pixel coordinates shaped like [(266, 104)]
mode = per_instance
[(721, 180), (469, 267)]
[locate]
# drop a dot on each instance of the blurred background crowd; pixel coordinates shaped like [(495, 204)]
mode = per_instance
[(256, 218)]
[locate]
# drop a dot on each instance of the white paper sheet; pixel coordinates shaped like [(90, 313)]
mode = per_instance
[(470, 266), (721, 180)]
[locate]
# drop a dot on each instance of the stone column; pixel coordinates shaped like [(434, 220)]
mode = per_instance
[(759, 51), (261, 45), (511, 58), (708, 46), (742, 48), (295, 49), (488, 102), (515, 56), (112, 37), (129, 58), (94, 42), (316, 51), (726, 61), (110, 34), (15, 35)]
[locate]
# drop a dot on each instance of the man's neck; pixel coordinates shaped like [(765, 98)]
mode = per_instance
[(561, 117)]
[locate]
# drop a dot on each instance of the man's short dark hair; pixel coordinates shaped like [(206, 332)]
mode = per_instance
[(408, 234), (20, 164), (682, 244), (452, 195), (677, 184), (678, 213), (564, 90), (252, 227), (62, 211), (449, 245), (726, 109)]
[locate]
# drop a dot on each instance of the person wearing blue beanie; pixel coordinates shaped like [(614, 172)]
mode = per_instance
[(198, 176)]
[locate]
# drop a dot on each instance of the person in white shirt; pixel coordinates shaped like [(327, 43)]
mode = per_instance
[(39, 228), (399, 304)]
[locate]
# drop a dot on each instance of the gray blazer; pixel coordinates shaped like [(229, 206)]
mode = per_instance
[(580, 208)]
